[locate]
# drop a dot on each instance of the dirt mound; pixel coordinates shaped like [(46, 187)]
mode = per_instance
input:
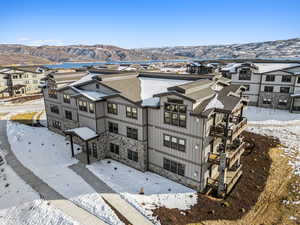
[(262, 166)]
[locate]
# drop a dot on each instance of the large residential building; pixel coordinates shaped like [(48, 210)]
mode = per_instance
[(272, 85), (16, 81), (179, 126)]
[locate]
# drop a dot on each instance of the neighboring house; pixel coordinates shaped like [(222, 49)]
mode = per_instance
[(186, 130), (200, 68), (272, 85), (16, 81)]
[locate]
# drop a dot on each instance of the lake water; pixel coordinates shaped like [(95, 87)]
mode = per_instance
[(67, 65)]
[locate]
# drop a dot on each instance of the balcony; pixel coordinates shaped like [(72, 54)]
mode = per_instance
[(236, 126), (232, 176), (234, 152), (214, 158)]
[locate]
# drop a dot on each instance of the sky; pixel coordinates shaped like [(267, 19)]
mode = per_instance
[(152, 23)]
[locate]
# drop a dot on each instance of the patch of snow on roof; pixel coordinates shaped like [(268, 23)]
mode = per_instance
[(151, 101), (214, 103), (84, 79), (231, 67), (93, 95), (265, 67), (84, 133), (152, 86)]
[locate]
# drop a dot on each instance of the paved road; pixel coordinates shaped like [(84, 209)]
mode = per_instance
[(36, 106), (45, 191)]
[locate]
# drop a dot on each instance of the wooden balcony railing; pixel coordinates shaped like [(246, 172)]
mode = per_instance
[(234, 129), (234, 155), (232, 177)]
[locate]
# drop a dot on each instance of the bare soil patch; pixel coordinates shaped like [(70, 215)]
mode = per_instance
[(23, 99), (256, 198), (25, 118)]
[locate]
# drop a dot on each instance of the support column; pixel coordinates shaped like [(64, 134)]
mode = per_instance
[(72, 146), (223, 162), (87, 152), (241, 114)]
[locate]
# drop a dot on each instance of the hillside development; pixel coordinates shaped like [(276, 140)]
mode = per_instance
[(268, 191)]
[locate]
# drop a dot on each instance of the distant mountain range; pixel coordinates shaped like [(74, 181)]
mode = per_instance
[(18, 54)]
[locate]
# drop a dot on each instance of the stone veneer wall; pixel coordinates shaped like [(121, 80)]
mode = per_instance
[(103, 143), (172, 176), (125, 144)]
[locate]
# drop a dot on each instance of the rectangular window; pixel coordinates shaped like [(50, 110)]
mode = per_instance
[(268, 88), (132, 155), (181, 144), (68, 115), (112, 108), (298, 81), (52, 93), (67, 99), (174, 142), (270, 78), (282, 102), (167, 140), (114, 148), (267, 101), (132, 133), (91, 108), (131, 112), (286, 78), (245, 74), (54, 109), (113, 127), (82, 105), (175, 114), (174, 167), (284, 89), (56, 124)]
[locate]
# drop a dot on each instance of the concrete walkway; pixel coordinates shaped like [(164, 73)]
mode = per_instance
[(80, 215), (45, 191), (128, 211), (109, 195), (91, 179)]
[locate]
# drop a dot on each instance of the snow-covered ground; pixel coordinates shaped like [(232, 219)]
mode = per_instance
[(13, 190), (270, 116), (158, 191), (30, 106), (38, 212), (21, 205), (48, 156)]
